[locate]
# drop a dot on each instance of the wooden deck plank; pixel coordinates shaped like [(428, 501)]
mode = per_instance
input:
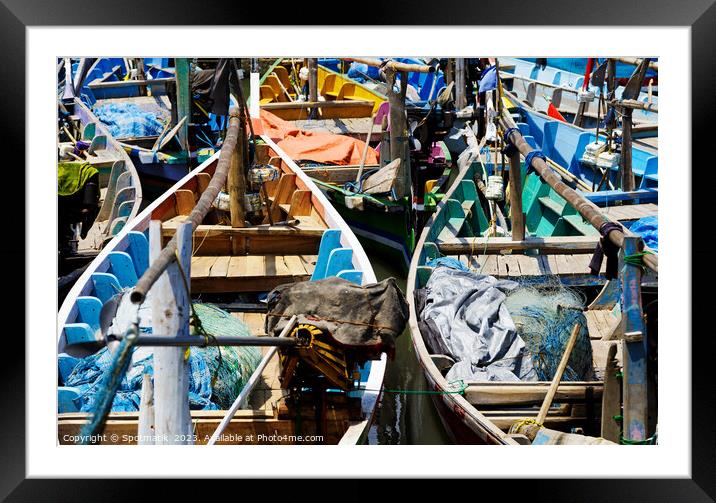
[(220, 267), (201, 266), (255, 265), (237, 266), (295, 265), (309, 262), (529, 265), (489, 265), (513, 266)]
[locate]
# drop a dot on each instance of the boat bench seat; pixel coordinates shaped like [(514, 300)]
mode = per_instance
[(247, 273)]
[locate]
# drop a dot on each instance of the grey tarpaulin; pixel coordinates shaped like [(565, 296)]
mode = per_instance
[(464, 317), (370, 315)]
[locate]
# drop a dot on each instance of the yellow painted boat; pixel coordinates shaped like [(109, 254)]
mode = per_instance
[(345, 98)]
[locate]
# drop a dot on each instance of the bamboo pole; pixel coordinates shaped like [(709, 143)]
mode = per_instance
[(167, 255), (170, 315), (394, 65), (635, 61), (587, 209), (558, 375)]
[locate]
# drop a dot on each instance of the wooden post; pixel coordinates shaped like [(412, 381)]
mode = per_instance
[(139, 62), (611, 77), (460, 91), (627, 181), (636, 408), (183, 104), (313, 84), (237, 179), (449, 74), (146, 412), (170, 317), (398, 130), (518, 217)]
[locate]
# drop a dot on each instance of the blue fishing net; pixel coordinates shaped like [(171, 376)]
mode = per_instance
[(127, 120), (545, 317), (648, 229), (232, 369)]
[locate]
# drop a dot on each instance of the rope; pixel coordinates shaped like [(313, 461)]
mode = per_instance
[(530, 156), (517, 426), (647, 441), (637, 259), (509, 149)]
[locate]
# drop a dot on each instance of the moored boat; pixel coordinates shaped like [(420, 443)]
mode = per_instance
[(99, 190), (544, 86), (519, 341), (304, 241)]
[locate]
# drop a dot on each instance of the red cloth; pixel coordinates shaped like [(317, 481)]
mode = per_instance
[(314, 146), (554, 113)]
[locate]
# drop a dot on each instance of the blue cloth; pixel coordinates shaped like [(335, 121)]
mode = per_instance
[(648, 229), (127, 120), (450, 262), (488, 81)]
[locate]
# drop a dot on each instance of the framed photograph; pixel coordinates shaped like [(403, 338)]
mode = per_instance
[(428, 238)]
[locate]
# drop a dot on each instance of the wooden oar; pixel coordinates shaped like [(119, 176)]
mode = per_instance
[(248, 388), (558, 375)]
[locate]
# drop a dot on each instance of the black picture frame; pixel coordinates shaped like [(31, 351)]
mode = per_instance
[(17, 15)]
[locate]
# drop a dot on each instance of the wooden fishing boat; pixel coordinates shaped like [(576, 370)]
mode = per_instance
[(307, 240), (541, 86), (82, 138), (570, 152), (554, 250)]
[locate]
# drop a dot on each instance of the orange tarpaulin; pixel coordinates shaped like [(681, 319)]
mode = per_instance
[(314, 146)]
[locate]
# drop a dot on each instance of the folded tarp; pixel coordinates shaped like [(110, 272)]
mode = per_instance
[(464, 316), (355, 316), (320, 147)]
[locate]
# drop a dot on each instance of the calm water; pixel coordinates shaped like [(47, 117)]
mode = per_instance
[(404, 418)]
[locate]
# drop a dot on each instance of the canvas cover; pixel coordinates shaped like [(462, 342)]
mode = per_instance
[(319, 147), (463, 316), (356, 316)]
